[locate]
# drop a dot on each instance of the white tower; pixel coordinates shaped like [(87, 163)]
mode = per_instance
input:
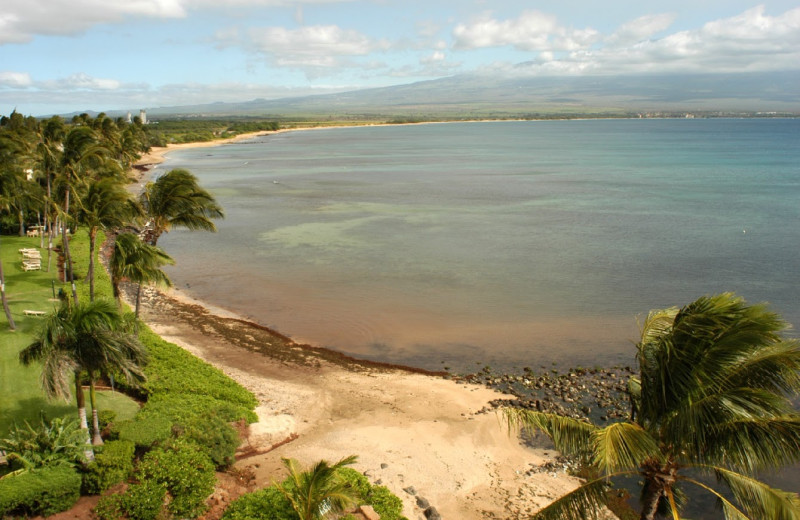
[(143, 116)]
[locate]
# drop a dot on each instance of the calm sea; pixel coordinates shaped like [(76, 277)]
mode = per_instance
[(507, 244)]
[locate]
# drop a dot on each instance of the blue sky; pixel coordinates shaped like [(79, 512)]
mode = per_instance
[(59, 56)]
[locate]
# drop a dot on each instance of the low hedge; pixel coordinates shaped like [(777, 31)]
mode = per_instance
[(42, 491), (264, 504), (113, 463), (186, 472), (174, 370), (271, 504), (146, 430), (142, 501)]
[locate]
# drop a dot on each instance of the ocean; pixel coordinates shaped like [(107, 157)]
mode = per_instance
[(507, 244)]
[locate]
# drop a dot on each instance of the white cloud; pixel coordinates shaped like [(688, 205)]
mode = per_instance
[(314, 47), (22, 20), (750, 41), (640, 29), (531, 31), (9, 79)]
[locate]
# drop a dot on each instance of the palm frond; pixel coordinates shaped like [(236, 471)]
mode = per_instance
[(755, 444), (582, 503), (622, 446), (758, 499), (570, 436)]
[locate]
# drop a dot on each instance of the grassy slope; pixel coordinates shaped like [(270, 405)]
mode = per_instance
[(21, 396)]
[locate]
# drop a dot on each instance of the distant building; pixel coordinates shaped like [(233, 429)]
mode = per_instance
[(143, 116), (129, 118)]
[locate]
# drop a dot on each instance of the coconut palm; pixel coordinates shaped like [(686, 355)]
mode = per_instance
[(4, 204), (106, 205), (84, 337), (176, 200), (138, 262), (82, 153), (319, 491), (711, 400)]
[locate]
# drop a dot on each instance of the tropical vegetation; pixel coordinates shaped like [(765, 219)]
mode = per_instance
[(711, 407)]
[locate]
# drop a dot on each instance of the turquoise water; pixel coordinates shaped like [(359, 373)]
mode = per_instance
[(509, 243)]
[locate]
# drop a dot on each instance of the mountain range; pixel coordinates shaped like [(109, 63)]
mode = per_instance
[(485, 96)]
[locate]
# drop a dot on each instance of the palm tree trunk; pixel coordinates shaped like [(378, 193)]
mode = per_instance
[(11, 324), (138, 306), (67, 256), (81, 401), (652, 495), (92, 239), (96, 439), (21, 223)]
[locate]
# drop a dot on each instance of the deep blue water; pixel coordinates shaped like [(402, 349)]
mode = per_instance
[(509, 243)]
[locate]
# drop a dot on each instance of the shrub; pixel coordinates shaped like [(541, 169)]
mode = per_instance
[(217, 438), (60, 441), (43, 491), (385, 503), (264, 504), (113, 463), (185, 471), (146, 429), (143, 501), (181, 407), (106, 418), (172, 369)]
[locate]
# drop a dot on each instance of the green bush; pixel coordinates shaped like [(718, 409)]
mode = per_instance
[(60, 441), (181, 407), (42, 491), (271, 504), (113, 463), (174, 370), (144, 430), (143, 501), (217, 438), (264, 504), (385, 503), (106, 417), (186, 472)]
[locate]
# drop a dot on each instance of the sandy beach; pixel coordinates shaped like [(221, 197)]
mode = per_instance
[(431, 440)]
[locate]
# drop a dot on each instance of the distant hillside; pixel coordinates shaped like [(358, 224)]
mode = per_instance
[(487, 96)]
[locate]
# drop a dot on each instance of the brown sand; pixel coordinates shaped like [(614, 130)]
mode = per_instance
[(421, 435)]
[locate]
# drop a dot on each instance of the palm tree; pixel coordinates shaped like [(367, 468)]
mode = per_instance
[(711, 400), (138, 262), (176, 200), (106, 205), (81, 154), (4, 204), (84, 337), (319, 491)]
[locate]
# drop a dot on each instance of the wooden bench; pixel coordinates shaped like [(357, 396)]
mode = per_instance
[(29, 312)]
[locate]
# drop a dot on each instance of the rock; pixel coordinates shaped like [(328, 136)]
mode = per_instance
[(384, 465), (432, 514), (410, 490), (423, 503), (369, 513)]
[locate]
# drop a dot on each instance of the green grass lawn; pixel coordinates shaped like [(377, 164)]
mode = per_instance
[(21, 396)]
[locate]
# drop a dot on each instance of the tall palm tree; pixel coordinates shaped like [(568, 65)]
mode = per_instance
[(106, 205), (4, 204), (176, 200), (81, 154), (138, 262), (711, 399), (84, 337), (319, 491)]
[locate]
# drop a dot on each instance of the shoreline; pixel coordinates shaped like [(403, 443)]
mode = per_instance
[(421, 435), (428, 438)]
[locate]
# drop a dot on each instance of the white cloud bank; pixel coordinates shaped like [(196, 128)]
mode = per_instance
[(22, 20), (751, 41)]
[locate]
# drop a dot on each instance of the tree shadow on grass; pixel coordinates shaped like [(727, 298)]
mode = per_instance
[(33, 410)]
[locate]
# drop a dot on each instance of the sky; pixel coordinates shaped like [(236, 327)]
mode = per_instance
[(62, 56)]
